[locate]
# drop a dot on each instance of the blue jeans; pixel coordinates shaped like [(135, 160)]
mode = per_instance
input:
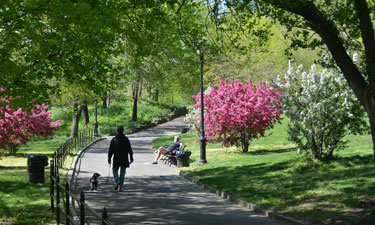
[(122, 175)]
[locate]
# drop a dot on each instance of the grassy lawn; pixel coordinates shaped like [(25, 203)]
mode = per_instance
[(23, 202), (273, 176)]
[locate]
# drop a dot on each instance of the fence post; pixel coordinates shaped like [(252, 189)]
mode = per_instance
[(57, 200), (61, 158), (67, 202), (55, 165), (82, 209), (104, 215), (55, 157), (51, 170), (58, 158)]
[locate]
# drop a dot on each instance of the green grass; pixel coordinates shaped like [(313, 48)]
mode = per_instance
[(273, 176), (117, 113), (22, 202)]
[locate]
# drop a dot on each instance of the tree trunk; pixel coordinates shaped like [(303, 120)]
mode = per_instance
[(135, 103), (75, 123), (149, 91), (327, 30), (104, 102), (86, 113), (109, 99), (155, 96), (370, 108), (140, 89), (245, 146)]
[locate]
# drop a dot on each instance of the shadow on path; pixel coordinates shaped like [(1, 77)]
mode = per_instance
[(154, 194)]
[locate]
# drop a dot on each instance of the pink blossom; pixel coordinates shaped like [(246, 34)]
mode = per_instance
[(18, 127), (236, 112)]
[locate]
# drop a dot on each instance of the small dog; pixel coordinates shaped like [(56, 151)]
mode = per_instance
[(94, 181)]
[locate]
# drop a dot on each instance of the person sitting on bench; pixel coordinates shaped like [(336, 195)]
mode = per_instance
[(162, 151)]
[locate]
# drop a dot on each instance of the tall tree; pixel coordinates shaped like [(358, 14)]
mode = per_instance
[(41, 40), (339, 26)]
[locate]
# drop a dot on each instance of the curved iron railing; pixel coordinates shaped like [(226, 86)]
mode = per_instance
[(57, 162)]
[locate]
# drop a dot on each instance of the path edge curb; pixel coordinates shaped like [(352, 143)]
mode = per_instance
[(241, 202), (72, 172)]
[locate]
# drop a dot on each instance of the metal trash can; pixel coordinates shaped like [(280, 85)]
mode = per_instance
[(183, 161), (184, 130), (35, 167), (183, 158)]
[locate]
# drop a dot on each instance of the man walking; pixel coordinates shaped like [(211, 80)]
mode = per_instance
[(120, 148)]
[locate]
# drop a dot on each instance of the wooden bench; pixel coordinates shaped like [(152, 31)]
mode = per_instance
[(169, 159)]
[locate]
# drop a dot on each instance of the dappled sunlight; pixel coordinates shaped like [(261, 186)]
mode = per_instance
[(297, 188)]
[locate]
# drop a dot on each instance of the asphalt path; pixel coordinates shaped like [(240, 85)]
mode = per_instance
[(155, 194)]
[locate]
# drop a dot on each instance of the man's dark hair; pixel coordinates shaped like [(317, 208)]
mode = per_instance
[(120, 129)]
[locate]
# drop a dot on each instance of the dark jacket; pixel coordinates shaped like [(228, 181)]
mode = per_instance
[(120, 148)]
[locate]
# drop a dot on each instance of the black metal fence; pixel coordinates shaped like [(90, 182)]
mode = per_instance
[(65, 149), (62, 195)]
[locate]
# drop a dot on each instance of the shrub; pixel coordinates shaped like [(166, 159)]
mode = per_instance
[(236, 112), (322, 109), (18, 127)]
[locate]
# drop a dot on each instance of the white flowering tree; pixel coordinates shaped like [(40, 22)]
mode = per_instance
[(322, 109), (193, 117)]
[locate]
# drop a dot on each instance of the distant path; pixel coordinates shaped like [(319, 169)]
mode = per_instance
[(154, 194)]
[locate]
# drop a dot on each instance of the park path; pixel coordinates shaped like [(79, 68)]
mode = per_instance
[(155, 194)]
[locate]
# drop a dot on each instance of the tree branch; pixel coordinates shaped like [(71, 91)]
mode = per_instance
[(48, 57), (180, 7), (367, 32), (329, 33)]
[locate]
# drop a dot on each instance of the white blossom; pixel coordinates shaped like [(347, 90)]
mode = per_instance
[(319, 105)]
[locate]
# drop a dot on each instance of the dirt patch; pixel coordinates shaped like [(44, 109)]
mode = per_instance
[(331, 213)]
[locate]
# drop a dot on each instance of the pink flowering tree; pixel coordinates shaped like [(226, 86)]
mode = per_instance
[(237, 113), (17, 126)]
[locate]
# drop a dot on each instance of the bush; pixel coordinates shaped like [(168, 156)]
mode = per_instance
[(237, 113), (322, 109)]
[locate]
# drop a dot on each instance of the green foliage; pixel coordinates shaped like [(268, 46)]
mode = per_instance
[(117, 113), (45, 41), (252, 47)]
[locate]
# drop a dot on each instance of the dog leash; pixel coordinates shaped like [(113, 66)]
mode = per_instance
[(109, 173)]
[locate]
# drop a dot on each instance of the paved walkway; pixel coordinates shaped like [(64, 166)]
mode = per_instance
[(154, 194)]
